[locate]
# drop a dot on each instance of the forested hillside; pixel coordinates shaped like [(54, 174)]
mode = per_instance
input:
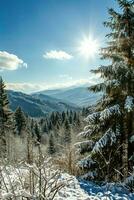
[(38, 105)]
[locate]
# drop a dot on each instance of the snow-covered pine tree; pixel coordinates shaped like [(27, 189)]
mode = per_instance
[(112, 124), (37, 133), (5, 119), (67, 133)]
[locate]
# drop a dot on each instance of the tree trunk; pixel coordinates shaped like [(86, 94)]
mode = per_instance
[(125, 147)]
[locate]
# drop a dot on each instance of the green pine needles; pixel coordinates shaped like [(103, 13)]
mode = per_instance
[(112, 124)]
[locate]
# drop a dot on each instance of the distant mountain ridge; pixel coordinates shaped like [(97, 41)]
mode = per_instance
[(43, 102), (79, 96), (37, 106)]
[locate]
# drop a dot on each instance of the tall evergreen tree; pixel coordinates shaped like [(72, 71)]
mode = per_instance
[(45, 128), (32, 128), (51, 145), (67, 132), (111, 126), (20, 121), (5, 117), (63, 116), (37, 133), (75, 116)]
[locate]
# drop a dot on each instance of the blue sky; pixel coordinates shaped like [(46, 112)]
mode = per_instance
[(39, 41)]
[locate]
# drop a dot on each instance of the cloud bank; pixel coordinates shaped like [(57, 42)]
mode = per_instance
[(10, 61), (30, 87), (58, 55)]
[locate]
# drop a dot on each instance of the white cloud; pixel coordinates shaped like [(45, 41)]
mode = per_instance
[(10, 61), (30, 87), (24, 87), (58, 55)]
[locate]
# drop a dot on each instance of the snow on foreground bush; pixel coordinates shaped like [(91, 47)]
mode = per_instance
[(38, 183), (34, 182), (30, 182)]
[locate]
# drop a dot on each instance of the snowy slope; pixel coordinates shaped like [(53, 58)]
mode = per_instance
[(74, 189), (109, 191)]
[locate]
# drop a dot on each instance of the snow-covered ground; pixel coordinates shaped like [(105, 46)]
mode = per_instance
[(84, 190), (74, 189), (109, 191)]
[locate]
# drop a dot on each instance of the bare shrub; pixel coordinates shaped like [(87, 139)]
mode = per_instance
[(38, 181)]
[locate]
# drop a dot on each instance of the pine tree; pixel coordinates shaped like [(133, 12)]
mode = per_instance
[(67, 132), (70, 119), (112, 124), (75, 117), (63, 116), (50, 126), (37, 133), (51, 145), (20, 121), (32, 128), (5, 118), (45, 128)]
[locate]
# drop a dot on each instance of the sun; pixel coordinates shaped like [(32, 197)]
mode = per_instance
[(88, 47)]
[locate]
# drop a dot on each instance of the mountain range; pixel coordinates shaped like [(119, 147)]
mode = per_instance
[(80, 96), (41, 103)]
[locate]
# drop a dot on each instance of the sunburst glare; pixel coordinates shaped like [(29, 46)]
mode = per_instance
[(88, 47)]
